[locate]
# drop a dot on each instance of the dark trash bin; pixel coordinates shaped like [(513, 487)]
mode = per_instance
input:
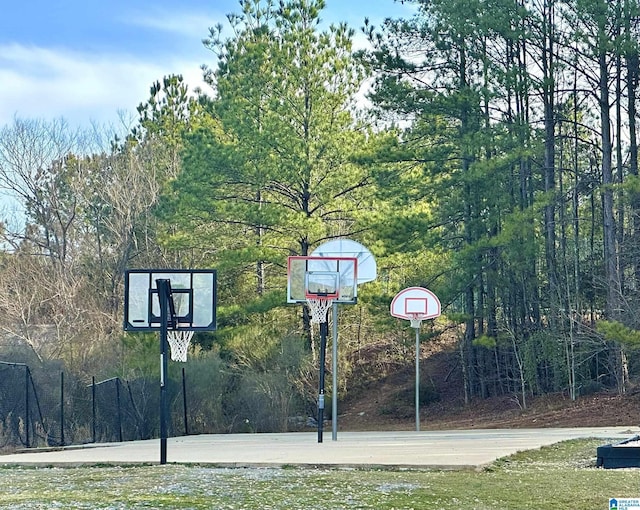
[(625, 454)]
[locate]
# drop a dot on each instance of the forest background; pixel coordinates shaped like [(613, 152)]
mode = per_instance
[(484, 149)]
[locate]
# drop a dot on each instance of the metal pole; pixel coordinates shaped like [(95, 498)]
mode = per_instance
[(119, 409), (93, 407), (334, 381), (164, 290), (323, 348), (27, 419), (184, 402), (417, 379), (62, 408)]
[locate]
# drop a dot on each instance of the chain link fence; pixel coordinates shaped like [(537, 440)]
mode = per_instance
[(44, 408), (42, 405)]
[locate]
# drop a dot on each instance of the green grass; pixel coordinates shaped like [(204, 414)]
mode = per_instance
[(557, 477)]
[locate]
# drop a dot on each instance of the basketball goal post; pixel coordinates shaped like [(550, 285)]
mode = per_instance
[(319, 282), (176, 303), (416, 304)]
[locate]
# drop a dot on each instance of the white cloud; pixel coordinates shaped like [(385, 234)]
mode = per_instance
[(80, 87), (184, 24), (85, 87)]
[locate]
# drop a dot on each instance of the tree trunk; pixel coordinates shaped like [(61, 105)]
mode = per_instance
[(608, 220), (548, 97), (631, 60)]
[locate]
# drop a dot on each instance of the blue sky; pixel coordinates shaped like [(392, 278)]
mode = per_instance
[(94, 61)]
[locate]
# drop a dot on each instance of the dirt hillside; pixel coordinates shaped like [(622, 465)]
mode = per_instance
[(388, 403)]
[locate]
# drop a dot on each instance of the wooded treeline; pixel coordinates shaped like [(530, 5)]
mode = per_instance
[(494, 160)]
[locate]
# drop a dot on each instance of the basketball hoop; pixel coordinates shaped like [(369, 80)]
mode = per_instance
[(179, 341), (319, 306), (416, 320)]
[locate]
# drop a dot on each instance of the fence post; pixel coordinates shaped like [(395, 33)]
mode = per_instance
[(119, 409), (26, 405), (93, 408), (61, 408)]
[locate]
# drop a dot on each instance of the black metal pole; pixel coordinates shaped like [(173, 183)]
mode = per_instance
[(119, 409), (184, 402), (323, 348), (27, 420), (93, 408), (164, 292), (62, 408)]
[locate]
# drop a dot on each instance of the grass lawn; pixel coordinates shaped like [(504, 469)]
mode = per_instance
[(557, 477)]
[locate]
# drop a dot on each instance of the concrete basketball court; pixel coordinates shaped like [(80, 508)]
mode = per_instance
[(456, 449)]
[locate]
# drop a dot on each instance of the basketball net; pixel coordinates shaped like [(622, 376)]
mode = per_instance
[(319, 309), (416, 321), (179, 341)]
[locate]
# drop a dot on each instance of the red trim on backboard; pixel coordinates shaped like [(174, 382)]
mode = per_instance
[(298, 298), (419, 306)]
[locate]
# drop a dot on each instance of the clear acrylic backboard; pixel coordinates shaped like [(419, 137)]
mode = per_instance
[(327, 277), (193, 293)]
